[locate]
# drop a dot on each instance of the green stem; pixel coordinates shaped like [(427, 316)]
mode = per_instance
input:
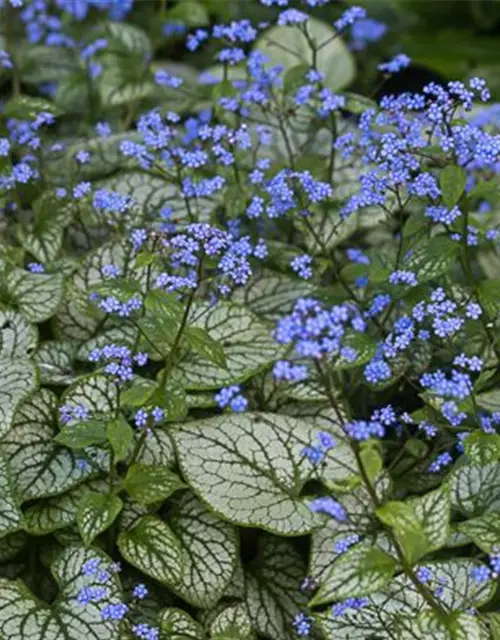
[(426, 594)]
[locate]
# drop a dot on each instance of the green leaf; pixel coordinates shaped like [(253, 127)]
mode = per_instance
[(333, 58), (484, 531), (139, 392), (176, 624), (39, 467), (28, 107), (494, 622), (172, 399), (371, 460), (10, 514), (361, 570), (152, 548), (17, 380), (232, 463), (209, 550), (294, 78), (206, 347), (96, 513), (149, 484), (23, 615), (398, 515), (37, 295), (271, 595), (192, 14), (121, 436), (432, 258), (489, 296), (247, 343), (82, 434), (452, 181)]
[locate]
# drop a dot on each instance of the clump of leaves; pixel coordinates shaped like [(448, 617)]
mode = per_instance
[(248, 333)]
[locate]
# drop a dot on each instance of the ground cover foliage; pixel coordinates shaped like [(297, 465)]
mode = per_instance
[(249, 354)]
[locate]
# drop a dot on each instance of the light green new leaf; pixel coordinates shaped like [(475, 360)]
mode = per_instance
[(209, 549), (82, 434), (23, 616), (149, 484), (176, 624), (18, 378), (139, 392), (39, 467), (11, 518), (271, 593), (153, 549), (484, 531), (247, 344), (361, 570), (288, 46), (121, 436), (37, 295), (452, 181), (247, 468), (96, 513)]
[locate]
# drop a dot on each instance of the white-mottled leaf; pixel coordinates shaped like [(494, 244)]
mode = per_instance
[(333, 58), (272, 595), (232, 623), (249, 469), (247, 343), (18, 378), (24, 616), (96, 513), (18, 338), (475, 489), (98, 393), (177, 624), (37, 295), (55, 362), (209, 549), (11, 517), (58, 512), (40, 467), (153, 549), (272, 295), (361, 570)]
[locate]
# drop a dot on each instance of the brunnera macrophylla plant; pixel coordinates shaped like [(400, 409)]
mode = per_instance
[(248, 333)]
